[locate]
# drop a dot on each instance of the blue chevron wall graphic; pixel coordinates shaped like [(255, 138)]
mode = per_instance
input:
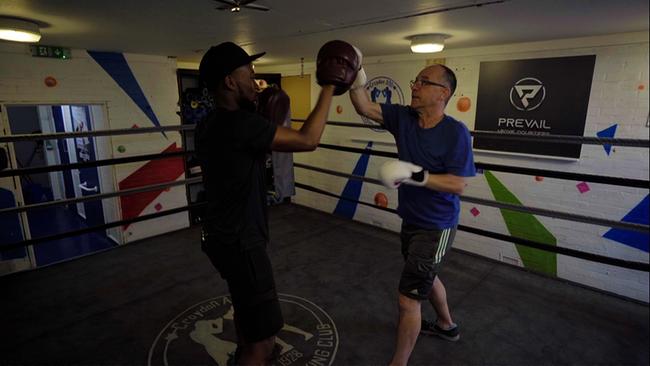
[(608, 132), (352, 189), (116, 66), (635, 239)]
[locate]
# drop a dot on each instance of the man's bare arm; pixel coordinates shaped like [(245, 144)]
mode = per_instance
[(308, 137), (446, 183), (364, 106)]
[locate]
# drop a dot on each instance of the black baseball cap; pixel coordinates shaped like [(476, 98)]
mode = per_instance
[(221, 60)]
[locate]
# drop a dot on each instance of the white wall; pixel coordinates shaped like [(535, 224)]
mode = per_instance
[(619, 95), (81, 80)]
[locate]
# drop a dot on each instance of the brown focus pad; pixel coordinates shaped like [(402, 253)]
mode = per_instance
[(273, 103), (337, 64)]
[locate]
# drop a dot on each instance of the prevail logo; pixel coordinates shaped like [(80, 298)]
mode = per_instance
[(205, 334), (527, 94)]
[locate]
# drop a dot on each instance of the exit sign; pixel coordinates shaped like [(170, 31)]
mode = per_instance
[(51, 51)]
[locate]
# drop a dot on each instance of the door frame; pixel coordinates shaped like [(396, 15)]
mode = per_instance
[(114, 233), (30, 262)]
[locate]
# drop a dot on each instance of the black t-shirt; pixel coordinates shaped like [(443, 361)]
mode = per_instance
[(232, 147)]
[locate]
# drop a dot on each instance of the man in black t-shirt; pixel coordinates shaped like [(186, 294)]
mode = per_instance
[(231, 144)]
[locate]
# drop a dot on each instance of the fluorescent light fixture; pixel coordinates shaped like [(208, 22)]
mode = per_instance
[(19, 30), (428, 43)]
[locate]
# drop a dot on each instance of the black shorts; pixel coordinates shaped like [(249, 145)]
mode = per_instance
[(423, 251), (250, 280)]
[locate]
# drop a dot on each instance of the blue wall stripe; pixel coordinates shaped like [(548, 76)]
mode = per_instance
[(116, 66), (352, 188), (635, 239)]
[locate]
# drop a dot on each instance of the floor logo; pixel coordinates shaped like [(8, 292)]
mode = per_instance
[(383, 90), (205, 334)]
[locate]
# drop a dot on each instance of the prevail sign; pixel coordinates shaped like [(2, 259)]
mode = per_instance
[(534, 97)]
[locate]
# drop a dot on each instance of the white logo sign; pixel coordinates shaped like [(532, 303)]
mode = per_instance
[(527, 94), (205, 334)]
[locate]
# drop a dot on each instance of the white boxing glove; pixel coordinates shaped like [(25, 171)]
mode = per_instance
[(358, 54), (396, 172), (361, 79)]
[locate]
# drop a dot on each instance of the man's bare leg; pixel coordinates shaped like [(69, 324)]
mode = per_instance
[(438, 299), (257, 354), (410, 320)]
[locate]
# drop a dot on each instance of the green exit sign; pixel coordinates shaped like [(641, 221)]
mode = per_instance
[(51, 51)]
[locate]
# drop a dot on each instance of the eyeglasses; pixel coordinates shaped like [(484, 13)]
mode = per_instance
[(422, 82)]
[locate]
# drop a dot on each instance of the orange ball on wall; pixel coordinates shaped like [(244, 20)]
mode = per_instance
[(50, 82), (381, 199), (464, 104)]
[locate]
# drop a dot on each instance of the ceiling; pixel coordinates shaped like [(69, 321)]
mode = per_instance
[(297, 28)]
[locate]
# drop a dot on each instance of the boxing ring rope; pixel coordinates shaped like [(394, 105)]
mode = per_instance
[(639, 266), (508, 206), (566, 139), (562, 139), (580, 177), (67, 234), (624, 182), (115, 132), (542, 246), (94, 197), (543, 212), (91, 164)]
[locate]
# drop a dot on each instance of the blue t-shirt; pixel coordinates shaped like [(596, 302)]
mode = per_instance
[(443, 149)]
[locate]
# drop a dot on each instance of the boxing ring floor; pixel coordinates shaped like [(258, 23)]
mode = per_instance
[(159, 301)]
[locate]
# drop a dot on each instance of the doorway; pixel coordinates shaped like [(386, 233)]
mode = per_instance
[(64, 184)]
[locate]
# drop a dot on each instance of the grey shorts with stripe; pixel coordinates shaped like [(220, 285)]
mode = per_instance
[(423, 251)]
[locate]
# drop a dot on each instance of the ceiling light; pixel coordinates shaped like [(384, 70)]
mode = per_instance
[(428, 43), (19, 30)]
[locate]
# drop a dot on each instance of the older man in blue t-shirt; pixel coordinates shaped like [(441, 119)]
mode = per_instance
[(435, 156)]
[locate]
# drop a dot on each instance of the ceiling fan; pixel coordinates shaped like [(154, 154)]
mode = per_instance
[(235, 5)]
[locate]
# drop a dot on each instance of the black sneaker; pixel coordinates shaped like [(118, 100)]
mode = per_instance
[(431, 328)]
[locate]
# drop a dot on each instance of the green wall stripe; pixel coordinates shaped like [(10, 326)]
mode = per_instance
[(526, 226)]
